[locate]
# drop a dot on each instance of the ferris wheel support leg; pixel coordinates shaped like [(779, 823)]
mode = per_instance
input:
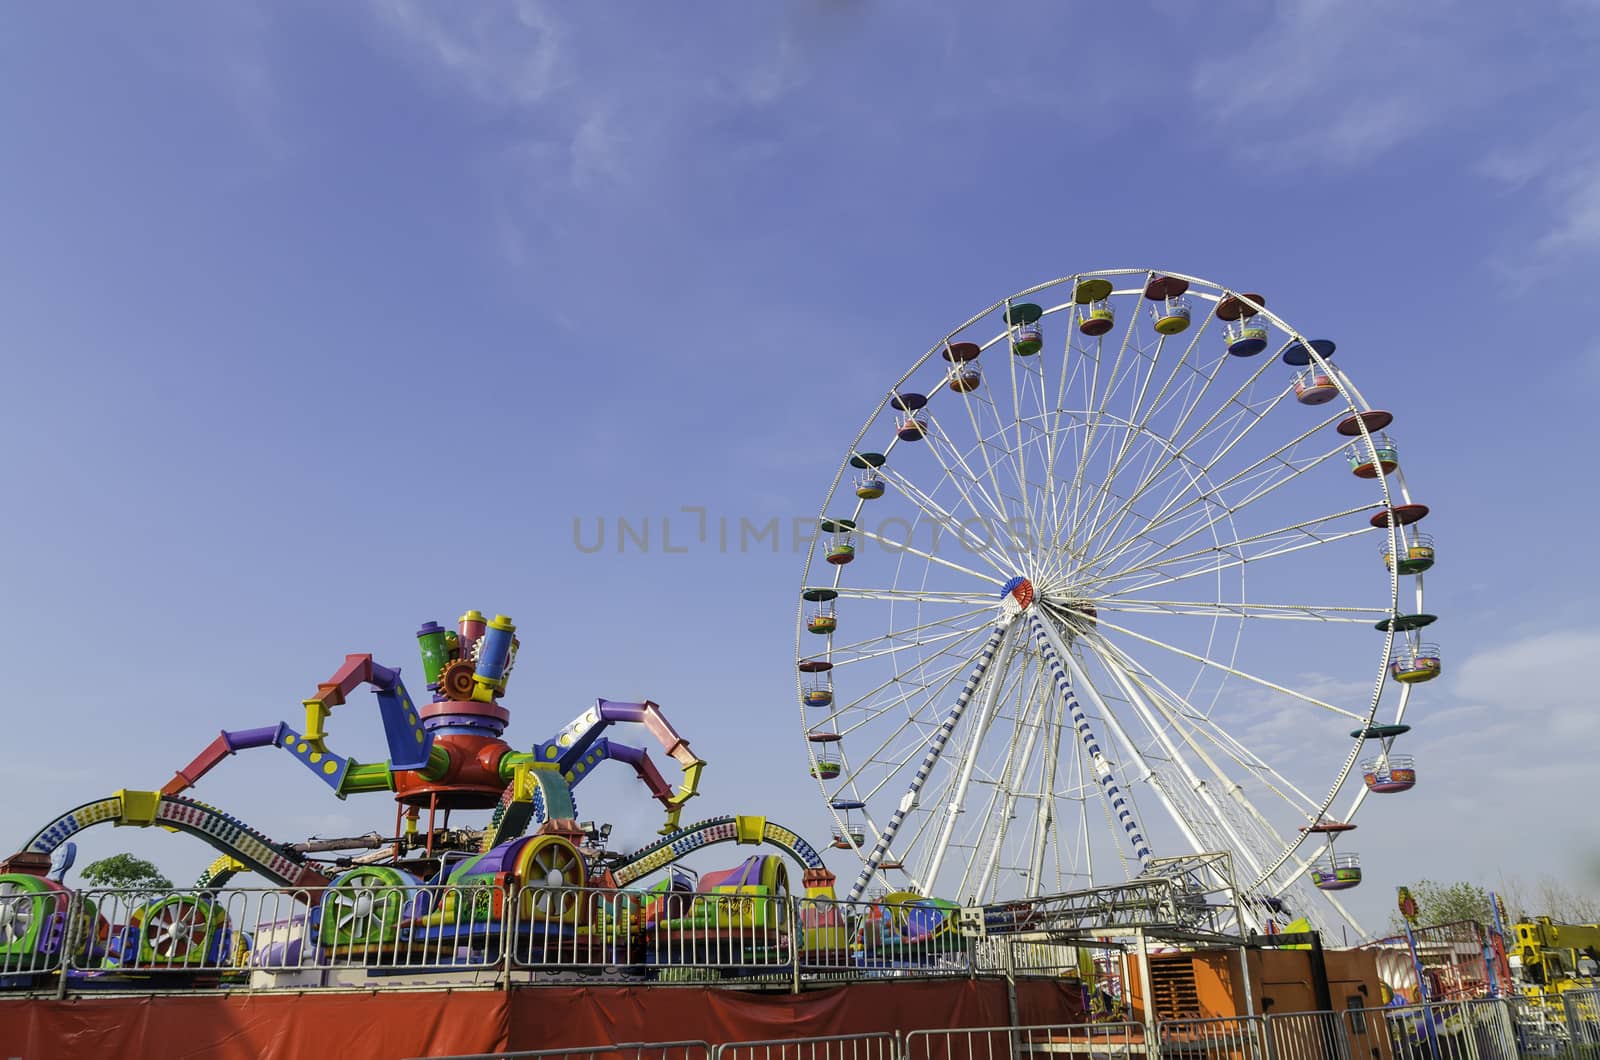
[(1053, 650), (991, 699), (908, 801)]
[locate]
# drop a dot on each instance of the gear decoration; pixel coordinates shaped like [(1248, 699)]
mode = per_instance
[(455, 680)]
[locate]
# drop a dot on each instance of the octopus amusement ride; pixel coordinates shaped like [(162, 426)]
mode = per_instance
[(446, 755), (1028, 661)]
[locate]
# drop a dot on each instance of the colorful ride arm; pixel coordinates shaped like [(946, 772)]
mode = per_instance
[(409, 742), (224, 745), (410, 745), (578, 740)]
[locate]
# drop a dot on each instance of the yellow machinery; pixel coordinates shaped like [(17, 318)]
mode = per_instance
[(1558, 956)]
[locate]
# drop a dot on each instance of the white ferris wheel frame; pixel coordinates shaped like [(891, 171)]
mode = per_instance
[(1165, 712)]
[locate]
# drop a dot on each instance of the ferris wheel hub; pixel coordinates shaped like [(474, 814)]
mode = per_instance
[(1017, 593)]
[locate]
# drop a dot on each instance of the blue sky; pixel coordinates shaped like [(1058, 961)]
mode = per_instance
[(321, 322)]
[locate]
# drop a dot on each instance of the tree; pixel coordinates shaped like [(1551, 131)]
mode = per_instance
[(1446, 903), (125, 870)]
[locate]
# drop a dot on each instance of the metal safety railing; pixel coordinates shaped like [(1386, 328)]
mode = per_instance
[(1443, 1030), (38, 928), (307, 938), (842, 939), (1558, 1025), (691, 1050), (880, 1046), (1224, 1038), (1097, 1041), (1582, 1011), (274, 937)]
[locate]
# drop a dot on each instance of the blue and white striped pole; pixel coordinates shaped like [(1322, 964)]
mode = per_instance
[(1053, 650)]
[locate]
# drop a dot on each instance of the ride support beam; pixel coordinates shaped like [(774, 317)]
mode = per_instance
[(941, 736)]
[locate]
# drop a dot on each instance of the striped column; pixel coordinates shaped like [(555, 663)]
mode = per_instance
[(1049, 645), (908, 801)]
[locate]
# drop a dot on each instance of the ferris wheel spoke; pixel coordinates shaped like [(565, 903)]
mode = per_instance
[(1069, 371), (1176, 448), (935, 748), (1160, 715), (937, 435), (872, 703), (1150, 560), (928, 596), (1179, 710), (981, 437), (1183, 420), (1011, 773), (1093, 418), (973, 544), (1271, 460), (850, 778), (1229, 745), (1227, 609), (910, 637), (1234, 671), (967, 756), (1140, 425), (1301, 541), (897, 546), (1023, 446)]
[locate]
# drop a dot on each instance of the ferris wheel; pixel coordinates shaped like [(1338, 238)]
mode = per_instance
[(1124, 567)]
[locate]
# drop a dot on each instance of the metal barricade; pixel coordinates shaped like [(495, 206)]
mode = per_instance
[(1308, 1036), (997, 955), (1446, 1030), (725, 935), (293, 938), (1539, 1026), (1223, 1038), (1582, 1011), (690, 1050), (881, 1046), (554, 928), (1094, 1041), (41, 926), (841, 939)]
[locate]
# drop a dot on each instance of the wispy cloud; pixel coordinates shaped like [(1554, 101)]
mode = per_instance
[(1337, 82), (506, 53), (1325, 82)]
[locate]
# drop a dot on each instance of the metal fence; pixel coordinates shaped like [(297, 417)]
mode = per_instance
[(1561, 1025), (276, 937), (1225, 1038), (1099, 1041), (1582, 1011), (268, 938), (1307, 1036), (620, 1051), (1446, 1030), (879, 939), (881, 1046)]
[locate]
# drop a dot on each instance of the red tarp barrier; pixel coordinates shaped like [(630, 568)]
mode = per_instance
[(388, 1026)]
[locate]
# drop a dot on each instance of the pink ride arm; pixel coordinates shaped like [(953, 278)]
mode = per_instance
[(409, 744), (224, 745), (581, 734)]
